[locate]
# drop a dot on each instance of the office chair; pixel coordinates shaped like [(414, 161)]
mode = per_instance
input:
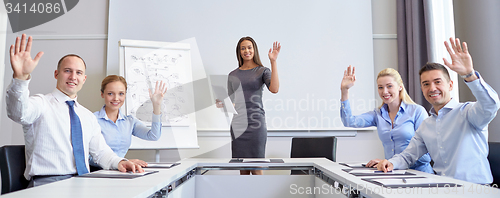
[(94, 168), (313, 147), (494, 159), (12, 165)]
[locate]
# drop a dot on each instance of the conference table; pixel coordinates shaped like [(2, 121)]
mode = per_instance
[(211, 177)]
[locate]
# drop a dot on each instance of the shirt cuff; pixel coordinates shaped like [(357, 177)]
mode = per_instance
[(118, 160), (478, 87), (344, 104), (156, 118), (475, 82), (19, 84), (395, 163)]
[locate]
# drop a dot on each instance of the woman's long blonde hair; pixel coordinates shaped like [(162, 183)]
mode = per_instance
[(403, 95)]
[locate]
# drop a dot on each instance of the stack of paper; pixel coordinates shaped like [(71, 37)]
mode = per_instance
[(160, 165), (116, 174), (354, 165)]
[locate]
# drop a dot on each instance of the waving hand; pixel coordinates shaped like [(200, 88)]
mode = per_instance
[(157, 96), (20, 58), (347, 82), (274, 51), (349, 78), (461, 61)]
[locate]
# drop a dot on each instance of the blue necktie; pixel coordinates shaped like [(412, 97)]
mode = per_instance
[(77, 140)]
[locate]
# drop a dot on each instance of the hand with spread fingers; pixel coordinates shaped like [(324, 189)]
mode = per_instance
[(347, 82), (461, 60), (349, 78), (20, 58), (274, 51), (157, 96)]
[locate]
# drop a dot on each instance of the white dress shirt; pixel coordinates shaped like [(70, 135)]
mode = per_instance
[(47, 132)]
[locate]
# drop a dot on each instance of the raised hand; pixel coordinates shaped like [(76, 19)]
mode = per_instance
[(349, 78), (274, 51), (461, 61), (20, 58), (157, 96)]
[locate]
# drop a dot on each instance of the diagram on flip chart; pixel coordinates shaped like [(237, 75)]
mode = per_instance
[(144, 67)]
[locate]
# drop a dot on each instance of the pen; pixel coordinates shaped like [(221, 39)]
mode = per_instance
[(404, 180)]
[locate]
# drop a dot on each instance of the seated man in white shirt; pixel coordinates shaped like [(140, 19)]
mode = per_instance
[(59, 132), (455, 134)]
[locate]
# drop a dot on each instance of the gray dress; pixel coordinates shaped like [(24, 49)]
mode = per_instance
[(248, 127)]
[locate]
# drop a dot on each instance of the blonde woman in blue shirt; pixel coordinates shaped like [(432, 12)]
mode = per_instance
[(396, 119), (116, 127)]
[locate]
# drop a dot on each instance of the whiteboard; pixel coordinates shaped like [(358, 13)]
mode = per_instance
[(142, 64), (319, 40)]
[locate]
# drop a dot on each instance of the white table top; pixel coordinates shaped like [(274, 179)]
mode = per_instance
[(149, 184)]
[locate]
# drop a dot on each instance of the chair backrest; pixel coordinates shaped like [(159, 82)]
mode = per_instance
[(494, 159), (12, 165), (309, 147)]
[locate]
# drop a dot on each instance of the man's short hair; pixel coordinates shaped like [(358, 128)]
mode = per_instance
[(435, 66), (68, 55)]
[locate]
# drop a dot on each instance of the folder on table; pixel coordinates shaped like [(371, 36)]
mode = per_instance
[(374, 172), (116, 174), (161, 165), (409, 182)]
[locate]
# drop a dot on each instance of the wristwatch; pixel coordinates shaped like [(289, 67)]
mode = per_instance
[(469, 74)]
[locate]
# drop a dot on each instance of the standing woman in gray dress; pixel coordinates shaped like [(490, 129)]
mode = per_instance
[(245, 85)]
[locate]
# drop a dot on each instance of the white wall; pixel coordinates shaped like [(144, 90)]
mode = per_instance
[(365, 146), (3, 30), (83, 30), (3, 61), (477, 24)]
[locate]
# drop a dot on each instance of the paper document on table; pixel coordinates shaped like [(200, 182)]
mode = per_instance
[(377, 172), (372, 172), (405, 181), (116, 174), (221, 94), (160, 165), (355, 165), (257, 160)]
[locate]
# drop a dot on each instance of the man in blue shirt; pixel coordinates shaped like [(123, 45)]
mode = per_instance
[(456, 134)]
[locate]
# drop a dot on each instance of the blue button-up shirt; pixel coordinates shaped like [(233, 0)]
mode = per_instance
[(456, 137), (119, 135), (394, 139)]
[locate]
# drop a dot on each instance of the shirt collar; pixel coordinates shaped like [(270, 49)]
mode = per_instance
[(402, 107), (450, 105), (62, 98), (102, 114)]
